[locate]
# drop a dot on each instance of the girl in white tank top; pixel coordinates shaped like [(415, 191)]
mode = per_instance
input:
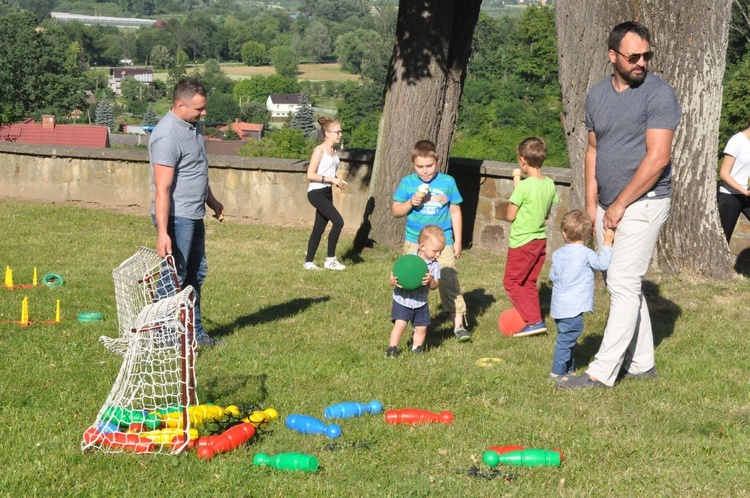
[(321, 173)]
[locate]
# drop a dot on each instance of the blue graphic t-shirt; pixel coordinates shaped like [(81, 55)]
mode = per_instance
[(435, 209)]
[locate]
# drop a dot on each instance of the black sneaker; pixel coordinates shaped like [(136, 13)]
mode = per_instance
[(391, 352), (418, 350)]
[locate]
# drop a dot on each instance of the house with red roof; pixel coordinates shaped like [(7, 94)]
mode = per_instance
[(50, 133), (246, 131)]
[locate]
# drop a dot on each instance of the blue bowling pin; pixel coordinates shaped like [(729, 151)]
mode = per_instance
[(311, 425), (350, 409)]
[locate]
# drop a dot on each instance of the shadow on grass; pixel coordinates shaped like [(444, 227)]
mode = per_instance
[(663, 312), (244, 390), (269, 314), (477, 303)]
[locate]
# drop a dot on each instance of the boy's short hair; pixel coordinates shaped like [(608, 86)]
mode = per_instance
[(577, 225), (534, 150), (431, 232), (424, 148)]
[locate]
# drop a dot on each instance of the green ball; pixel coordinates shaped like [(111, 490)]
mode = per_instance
[(410, 269)]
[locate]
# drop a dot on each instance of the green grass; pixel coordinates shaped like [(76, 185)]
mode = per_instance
[(300, 341)]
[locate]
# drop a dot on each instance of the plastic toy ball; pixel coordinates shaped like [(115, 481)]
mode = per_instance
[(510, 322), (410, 269)]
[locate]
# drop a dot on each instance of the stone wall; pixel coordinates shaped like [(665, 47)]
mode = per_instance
[(266, 190)]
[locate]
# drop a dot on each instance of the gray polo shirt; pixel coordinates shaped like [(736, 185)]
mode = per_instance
[(619, 121), (179, 144)]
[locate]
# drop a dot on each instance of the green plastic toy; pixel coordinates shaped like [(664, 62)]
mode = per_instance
[(287, 461), (410, 269), (524, 458)]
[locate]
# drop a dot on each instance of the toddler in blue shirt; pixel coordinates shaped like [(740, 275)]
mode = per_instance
[(572, 276)]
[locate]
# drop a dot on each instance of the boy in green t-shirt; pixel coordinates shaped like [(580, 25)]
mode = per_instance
[(529, 207)]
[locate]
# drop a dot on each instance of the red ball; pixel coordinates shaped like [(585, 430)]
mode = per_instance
[(510, 322)]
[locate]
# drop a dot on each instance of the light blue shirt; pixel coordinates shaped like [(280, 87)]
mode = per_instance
[(572, 276)]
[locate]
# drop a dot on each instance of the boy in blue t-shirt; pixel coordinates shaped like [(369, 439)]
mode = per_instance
[(431, 198)]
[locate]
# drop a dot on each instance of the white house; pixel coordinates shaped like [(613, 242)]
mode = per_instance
[(280, 105), (117, 74)]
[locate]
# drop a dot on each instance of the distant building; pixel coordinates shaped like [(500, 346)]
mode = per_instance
[(215, 144), (120, 22), (246, 131), (50, 133), (117, 74), (282, 105)]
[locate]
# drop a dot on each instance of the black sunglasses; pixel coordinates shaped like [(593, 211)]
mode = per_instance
[(633, 58)]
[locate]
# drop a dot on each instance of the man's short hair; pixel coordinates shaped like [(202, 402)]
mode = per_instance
[(533, 150), (622, 29), (187, 88), (577, 226), (424, 148)]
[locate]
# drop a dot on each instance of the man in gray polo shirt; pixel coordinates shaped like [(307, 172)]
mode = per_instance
[(179, 174), (631, 118)]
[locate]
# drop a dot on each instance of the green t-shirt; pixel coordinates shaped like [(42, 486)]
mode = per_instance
[(534, 198)]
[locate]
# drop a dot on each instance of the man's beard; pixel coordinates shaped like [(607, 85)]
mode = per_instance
[(633, 79)]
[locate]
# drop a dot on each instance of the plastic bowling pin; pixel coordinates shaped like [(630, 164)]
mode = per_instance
[(350, 409), (261, 418), (311, 425), (287, 461), (414, 416), (525, 458), (233, 437), (507, 449)]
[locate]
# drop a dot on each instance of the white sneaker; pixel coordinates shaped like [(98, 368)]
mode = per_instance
[(333, 264), (311, 266)]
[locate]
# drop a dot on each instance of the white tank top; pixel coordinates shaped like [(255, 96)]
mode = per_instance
[(327, 167)]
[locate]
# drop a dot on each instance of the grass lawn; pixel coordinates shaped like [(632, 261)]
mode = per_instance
[(299, 341)]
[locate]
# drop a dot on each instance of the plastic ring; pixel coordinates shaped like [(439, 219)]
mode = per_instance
[(90, 317), (52, 280)]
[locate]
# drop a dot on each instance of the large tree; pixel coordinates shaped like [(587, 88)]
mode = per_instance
[(422, 95), (690, 41), (39, 70)]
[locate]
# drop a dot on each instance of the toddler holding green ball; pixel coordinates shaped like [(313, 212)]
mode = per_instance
[(411, 305)]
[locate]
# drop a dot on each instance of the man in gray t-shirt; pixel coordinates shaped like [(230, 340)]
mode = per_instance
[(631, 118), (179, 175)]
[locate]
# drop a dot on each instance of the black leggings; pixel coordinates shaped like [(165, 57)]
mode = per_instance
[(730, 207), (322, 201)]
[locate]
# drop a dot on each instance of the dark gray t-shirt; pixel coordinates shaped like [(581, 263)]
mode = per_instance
[(619, 121), (179, 144)]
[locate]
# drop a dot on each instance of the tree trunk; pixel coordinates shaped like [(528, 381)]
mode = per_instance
[(422, 95), (690, 41)]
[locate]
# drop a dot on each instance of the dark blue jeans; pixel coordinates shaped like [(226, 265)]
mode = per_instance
[(189, 251), (568, 332)]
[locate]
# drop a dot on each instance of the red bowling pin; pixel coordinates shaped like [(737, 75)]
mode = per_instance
[(414, 416)]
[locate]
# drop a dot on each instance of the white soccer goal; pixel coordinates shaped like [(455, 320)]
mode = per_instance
[(146, 411), (142, 279)]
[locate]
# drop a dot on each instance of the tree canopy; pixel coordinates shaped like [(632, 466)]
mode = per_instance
[(39, 70)]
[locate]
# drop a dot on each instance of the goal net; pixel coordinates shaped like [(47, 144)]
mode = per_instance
[(142, 279), (147, 409)]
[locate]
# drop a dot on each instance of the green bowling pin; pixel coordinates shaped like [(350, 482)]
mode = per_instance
[(287, 461), (525, 458)]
